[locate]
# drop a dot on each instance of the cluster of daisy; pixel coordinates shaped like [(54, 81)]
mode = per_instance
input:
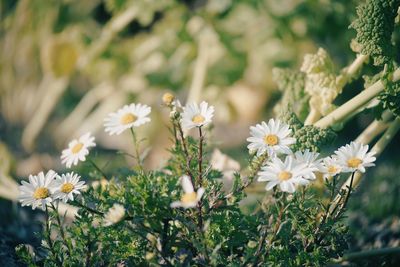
[(43, 189), (290, 170)]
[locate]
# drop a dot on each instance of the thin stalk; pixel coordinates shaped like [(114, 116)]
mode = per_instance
[(200, 158), (98, 168), (88, 209), (48, 237), (185, 150), (60, 225), (355, 103), (137, 153)]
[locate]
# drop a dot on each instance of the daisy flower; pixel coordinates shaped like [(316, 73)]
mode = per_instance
[(67, 185), (77, 150), (330, 167), (127, 117), (354, 157), (114, 215), (286, 174), (272, 137), (190, 198), (196, 116), (38, 192), (310, 159)]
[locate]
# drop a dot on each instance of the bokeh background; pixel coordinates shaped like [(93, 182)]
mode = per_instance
[(65, 64)]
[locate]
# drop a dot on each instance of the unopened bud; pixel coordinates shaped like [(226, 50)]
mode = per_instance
[(168, 98)]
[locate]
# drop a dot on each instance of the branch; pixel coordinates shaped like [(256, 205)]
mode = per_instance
[(355, 103)]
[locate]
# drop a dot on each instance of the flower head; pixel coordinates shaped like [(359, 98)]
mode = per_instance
[(114, 215), (128, 116), (196, 116), (354, 157), (310, 159), (67, 185), (330, 167), (287, 174), (190, 198), (77, 150), (38, 192), (273, 137)]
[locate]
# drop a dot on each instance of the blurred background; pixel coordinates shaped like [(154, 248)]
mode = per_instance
[(66, 64)]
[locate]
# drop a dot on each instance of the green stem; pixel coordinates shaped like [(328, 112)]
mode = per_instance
[(98, 168), (136, 144), (69, 249)]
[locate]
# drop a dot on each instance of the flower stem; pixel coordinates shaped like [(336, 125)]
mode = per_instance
[(185, 150), (137, 153), (69, 249), (48, 236), (200, 158), (355, 103), (97, 168)]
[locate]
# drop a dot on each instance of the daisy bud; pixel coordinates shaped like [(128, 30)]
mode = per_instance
[(167, 98)]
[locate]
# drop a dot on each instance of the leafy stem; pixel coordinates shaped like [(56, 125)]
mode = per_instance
[(136, 146), (62, 232)]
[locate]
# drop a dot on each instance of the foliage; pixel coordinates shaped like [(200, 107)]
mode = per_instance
[(374, 26)]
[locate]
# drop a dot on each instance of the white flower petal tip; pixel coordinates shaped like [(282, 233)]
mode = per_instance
[(77, 150), (273, 138), (354, 157), (39, 191), (196, 115), (67, 185), (129, 116)]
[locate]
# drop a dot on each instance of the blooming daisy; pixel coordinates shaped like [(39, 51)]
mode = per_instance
[(287, 174), (190, 198), (354, 157), (310, 159), (330, 167), (77, 150), (196, 116), (67, 185), (128, 116), (38, 192), (272, 137), (114, 215)]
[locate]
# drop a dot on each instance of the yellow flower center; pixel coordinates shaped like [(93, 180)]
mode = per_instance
[(284, 175), (198, 119), (332, 169), (354, 162), (189, 197), (76, 148), (271, 139), (67, 187), (41, 193), (128, 118)]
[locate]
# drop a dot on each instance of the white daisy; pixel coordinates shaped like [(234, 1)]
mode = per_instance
[(330, 167), (67, 185), (354, 157), (77, 150), (196, 116), (38, 192), (127, 117), (114, 215), (310, 159), (190, 198), (272, 138), (287, 174)]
